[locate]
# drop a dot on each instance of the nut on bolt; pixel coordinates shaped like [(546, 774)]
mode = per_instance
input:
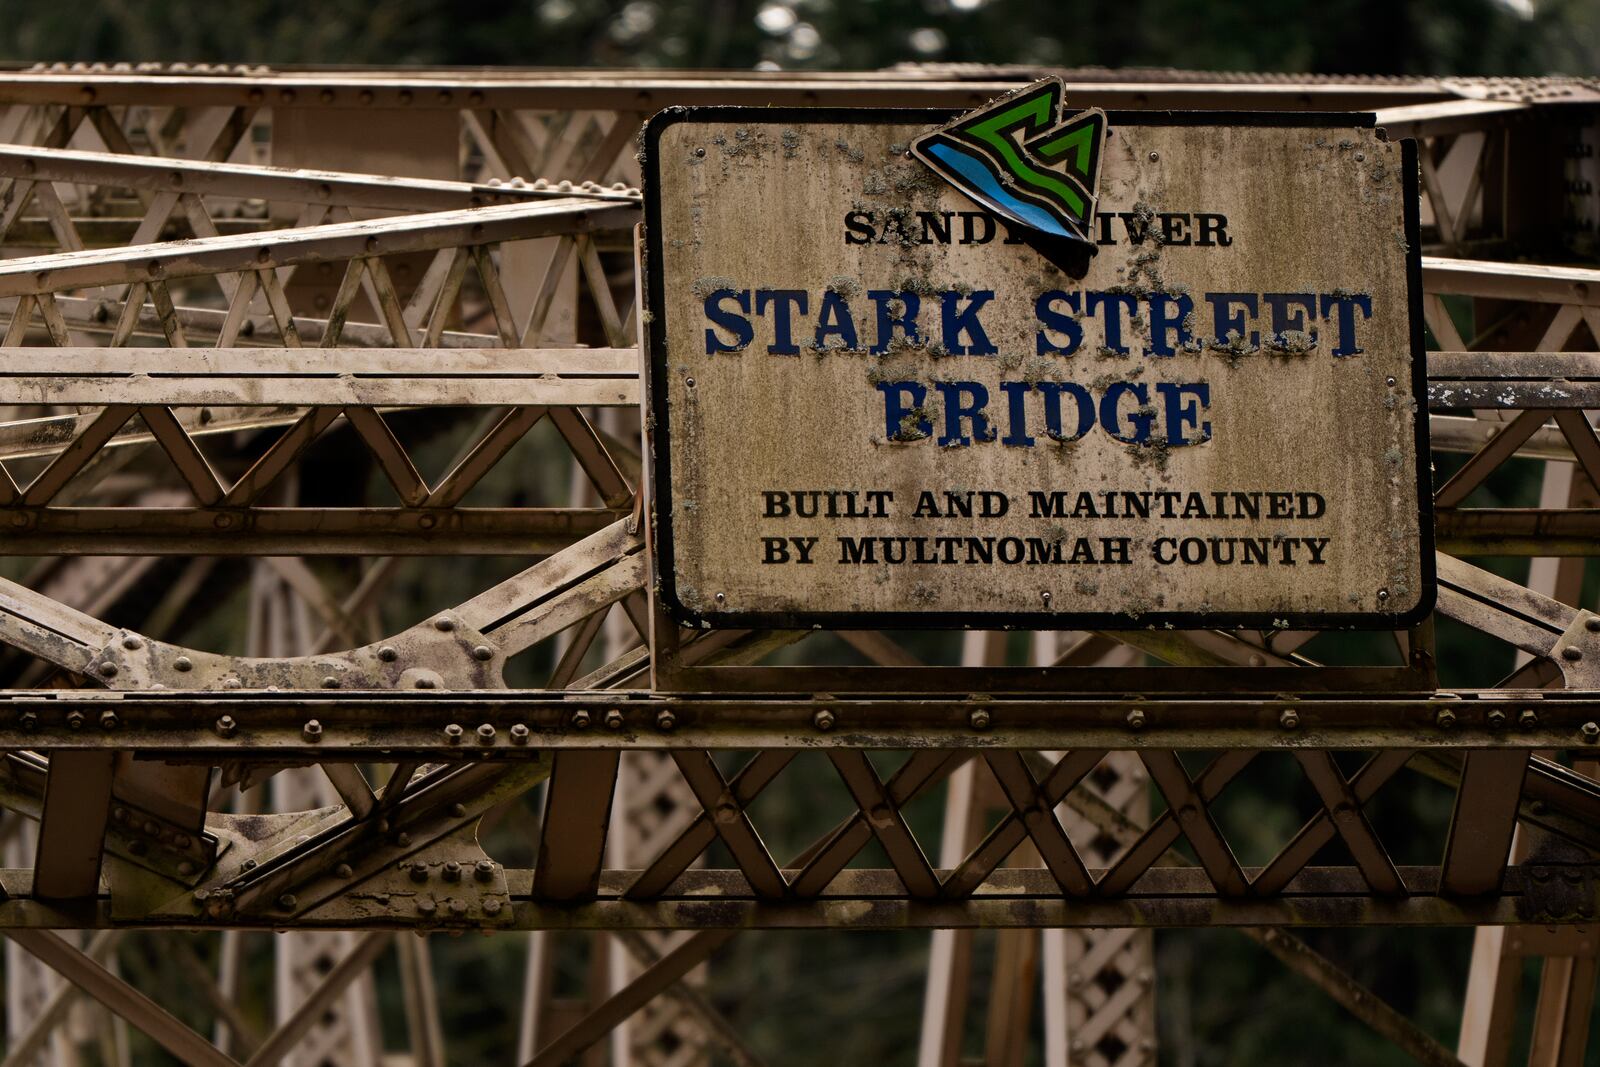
[(580, 719), (1289, 719), (613, 719), (486, 734), (452, 871), (665, 720), (1446, 719), (823, 720), (483, 870), (1528, 719), (453, 732), (74, 720), (226, 726), (1591, 732), (979, 720), (109, 720), (312, 731), (1136, 719), (1496, 719), (519, 734)]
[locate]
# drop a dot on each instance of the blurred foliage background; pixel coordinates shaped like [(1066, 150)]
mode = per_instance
[(808, 998)]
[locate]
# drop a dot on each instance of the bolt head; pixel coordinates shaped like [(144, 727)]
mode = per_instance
[(226, 726), (1155, 157), (823, 720), (1591, 732), (452, 871), (979, 719), (312, 731), (419, 872)]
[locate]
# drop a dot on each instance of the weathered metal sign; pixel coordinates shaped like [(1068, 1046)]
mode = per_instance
[(874, 404)]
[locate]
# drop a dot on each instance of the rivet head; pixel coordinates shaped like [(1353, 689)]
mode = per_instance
[(444, 623), (453, 732), (486, 734), (1155, 157), (288, 900), (1446, 719), (483, 653), (613, 719), (1572, 653), (519, 734), (1136, 719), (183, 663), (1592, 625), (823, 720), (402, 839), (580, 719), (343, 870), (330, 682), (492, 906), (1591, 732), (979, 719), (132, 642), (388, 654), (665, 720), (108, 670), (312, 731), (1289, 719), (457, 906), (700, 153), (426, 905)]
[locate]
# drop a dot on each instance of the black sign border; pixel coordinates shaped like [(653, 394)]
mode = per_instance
[(658, 431)]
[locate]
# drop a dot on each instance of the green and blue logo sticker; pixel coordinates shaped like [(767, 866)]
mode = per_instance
[(1026, 162)]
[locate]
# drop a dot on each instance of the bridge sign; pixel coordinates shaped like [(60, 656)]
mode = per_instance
[(885, 391)]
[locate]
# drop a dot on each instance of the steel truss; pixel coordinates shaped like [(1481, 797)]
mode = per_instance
[(166, 404)]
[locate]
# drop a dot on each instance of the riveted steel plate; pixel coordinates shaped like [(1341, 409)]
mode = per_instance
[(871, 405)]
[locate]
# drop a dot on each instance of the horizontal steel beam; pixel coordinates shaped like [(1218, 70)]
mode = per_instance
[(329, 377), (1518, 531), (869, 899), (184, 724), (204, 178), (363, 531), (1511, 281), (633, 90), (307, 244)]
